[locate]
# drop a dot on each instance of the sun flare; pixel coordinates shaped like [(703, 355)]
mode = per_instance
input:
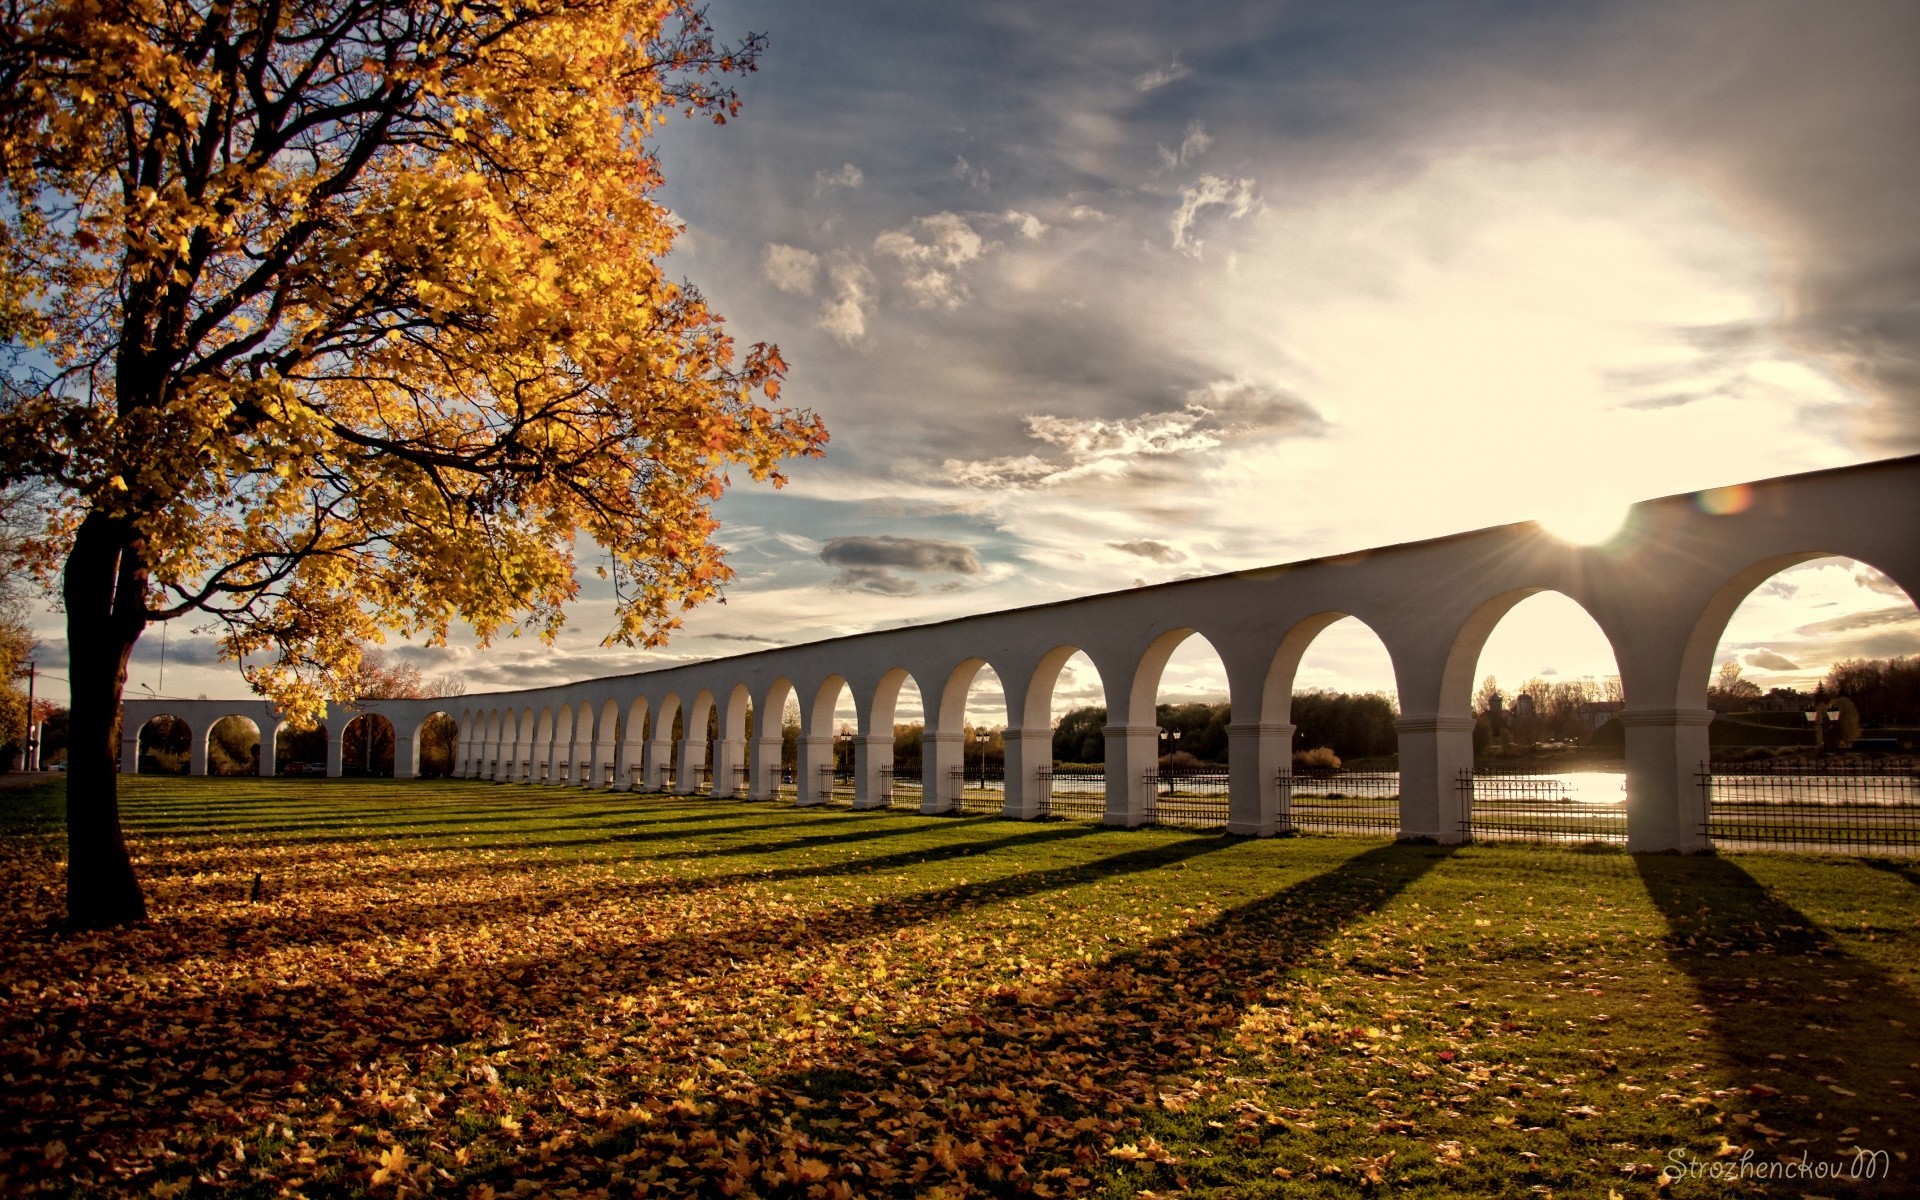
[(1589, 522)]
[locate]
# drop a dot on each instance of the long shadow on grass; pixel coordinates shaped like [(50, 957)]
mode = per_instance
[(173, 1052), (1790, 1009), (1034, 1076), (1905, 871), (439, 915)]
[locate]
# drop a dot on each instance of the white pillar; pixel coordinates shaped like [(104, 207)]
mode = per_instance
[(1257, 754), (628, 756), (765, 783), (659, 761), (1131, 757), (871, 752), (939, 753), (129, 752), (726, 754), (815, 753), (1433, 753), (1029, 753), (336, 752), (689, 776), (1666, 750), (406, 755), (269, 740)]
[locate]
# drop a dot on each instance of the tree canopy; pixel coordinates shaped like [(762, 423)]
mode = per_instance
[(334, 319)]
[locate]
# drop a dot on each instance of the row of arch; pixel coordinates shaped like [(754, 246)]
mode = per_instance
[(235, 743), (661, 741)]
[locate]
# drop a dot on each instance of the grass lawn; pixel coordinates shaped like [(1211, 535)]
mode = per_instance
[(474, 989)]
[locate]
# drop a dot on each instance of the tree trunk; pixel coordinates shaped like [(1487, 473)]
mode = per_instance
[(105, 589)]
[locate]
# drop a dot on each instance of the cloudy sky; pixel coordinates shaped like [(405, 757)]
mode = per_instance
[(1099, 294)]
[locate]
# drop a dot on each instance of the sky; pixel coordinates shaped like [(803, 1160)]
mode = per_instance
[(1094, 295)]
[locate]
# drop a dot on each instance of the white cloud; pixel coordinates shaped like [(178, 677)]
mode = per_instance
[(1160, 77), (845, 315), (790, 268), (1095, 447), (1192, 146), (1030, 226), (933, 249), (848, 176), (1209, 191), (1086, 212)]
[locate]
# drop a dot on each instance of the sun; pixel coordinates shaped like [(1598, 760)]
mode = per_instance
[(1585, 522)]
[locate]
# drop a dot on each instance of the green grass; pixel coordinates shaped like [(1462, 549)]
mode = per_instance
[(581, 993)]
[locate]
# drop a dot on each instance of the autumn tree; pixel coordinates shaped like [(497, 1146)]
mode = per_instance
[(349, 316)]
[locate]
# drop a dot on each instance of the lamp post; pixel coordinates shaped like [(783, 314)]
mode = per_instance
[(1818, 716), (980, 737), (1169, 738)]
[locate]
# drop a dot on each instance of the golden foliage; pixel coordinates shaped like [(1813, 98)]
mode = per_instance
[(342, 318)]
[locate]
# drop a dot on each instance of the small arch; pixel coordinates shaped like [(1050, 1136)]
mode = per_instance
[(1697, 660), (541, 760), (233, 746), (1198, 725), (967, 688), (1351, 719), (898, 710), (300, 749), (1457, 681), (366, 746), (165, 746), (523, 743), (1540, 644), (737, 732), (437, 746), (1060, 689), (632, 744)]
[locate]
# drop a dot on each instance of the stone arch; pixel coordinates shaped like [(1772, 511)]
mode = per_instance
[(165, 746), (605, 750), (631, 757), (434, 750), (770, 748), (959, 683), (368, 746), (1696, 660), (224, 755), (1455, 701), (732, 762), (523, 744), (663, 750), (696, 748), (289, 742), (540, 757), (1276, 697), (559, 750), (892, 773)]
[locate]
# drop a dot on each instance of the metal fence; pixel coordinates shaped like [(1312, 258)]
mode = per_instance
[(1534, 808), (1365, 802), (1080, 795), (1865, 807), (837, 786), (1186, 798), (979, 791), (900, 788)]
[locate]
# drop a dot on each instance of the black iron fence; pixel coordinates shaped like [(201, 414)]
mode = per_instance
[(900, 787), (837, 785), (1080, 795), (1501, 807), (1863, 807), (979, 790), (1366, 802), (1197, 798)]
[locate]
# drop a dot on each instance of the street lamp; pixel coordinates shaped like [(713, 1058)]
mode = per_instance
[(1818, 716), (1169, 738), (980, 737)]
